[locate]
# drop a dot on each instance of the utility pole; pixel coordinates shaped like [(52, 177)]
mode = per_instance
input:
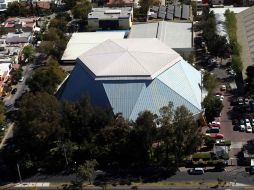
[(20, 179), (66, 160)]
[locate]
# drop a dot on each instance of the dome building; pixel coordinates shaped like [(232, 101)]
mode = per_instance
[(133, 75)]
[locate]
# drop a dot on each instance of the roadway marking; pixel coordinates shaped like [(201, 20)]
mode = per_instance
[(31, 184)]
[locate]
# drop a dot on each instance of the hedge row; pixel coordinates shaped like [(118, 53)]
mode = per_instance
[(235, 46)]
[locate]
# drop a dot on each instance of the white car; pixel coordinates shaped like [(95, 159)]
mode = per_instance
[(220, 97), (248, 129), (242, 127), (247, 122)]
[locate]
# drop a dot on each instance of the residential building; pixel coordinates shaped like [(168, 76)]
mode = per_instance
[(134, 75), (14, 24), (84, 41), (4, 4), (110, 18), (17, 38), (5, 69), (178, 36)]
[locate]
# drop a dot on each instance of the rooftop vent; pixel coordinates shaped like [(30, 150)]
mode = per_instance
[(112, 11)]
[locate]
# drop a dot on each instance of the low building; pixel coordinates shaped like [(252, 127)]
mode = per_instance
[(134, 75), (84, 41), (14, 38), (16, 24), (110, 18), (177, 36), (5, 69), (4, 4)]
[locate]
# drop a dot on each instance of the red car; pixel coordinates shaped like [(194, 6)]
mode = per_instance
[(214, 125), (218, 136)]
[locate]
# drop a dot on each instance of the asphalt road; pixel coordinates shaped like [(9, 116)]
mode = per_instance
[(21, 87)]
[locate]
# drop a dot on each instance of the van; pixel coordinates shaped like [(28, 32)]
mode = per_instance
[(196, 171)]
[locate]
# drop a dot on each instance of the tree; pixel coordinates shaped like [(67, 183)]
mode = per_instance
[(141, 139), (2, 113), (28, 52), (86, 170), (16, 75), (64, 15), (81, 9), (60, 24), (144, 6), (46, 78), (237, 64), (112, 143), (39, 114), (213, 107), (17, 9), (69, 4), (186, 136), (210, 82), (179, 133)]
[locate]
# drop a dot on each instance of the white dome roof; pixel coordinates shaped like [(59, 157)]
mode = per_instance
[(127, 59)]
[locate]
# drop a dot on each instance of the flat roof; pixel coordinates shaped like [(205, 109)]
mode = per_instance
[(84, 41), (222, 10), (129, 59), (175, 35), (110, 13)]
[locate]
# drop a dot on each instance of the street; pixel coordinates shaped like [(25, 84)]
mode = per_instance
[(21, 87)]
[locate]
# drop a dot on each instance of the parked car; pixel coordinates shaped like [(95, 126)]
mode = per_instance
[(21, 80), (211, 125), (247, 121), (246, 101), (242, 125), (196, 171), (14, 91), (240, 101), (223, 87), (221, 97), (213, 130), (219, 136), (249, 129), (252, 122)]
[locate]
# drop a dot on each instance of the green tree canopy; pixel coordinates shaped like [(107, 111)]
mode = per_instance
[(16, 75), (46, 78), (86, 171), (28, 52), (213, 106), (59, 23), (81, 9)]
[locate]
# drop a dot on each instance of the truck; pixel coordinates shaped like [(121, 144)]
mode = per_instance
[(251, 166)]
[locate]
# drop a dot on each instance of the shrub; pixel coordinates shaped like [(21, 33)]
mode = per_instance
[(227, 142), (202, 155)]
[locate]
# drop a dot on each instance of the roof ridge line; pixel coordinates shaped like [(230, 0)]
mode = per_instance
[(177, 92), (189, 80)]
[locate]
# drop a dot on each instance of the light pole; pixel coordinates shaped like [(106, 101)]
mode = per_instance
[(76, 170), (20, 179)]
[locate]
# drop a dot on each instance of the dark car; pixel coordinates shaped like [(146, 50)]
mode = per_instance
[(14, 91)]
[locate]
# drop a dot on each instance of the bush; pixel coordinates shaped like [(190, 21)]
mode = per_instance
[(202, 155), (227, 142)]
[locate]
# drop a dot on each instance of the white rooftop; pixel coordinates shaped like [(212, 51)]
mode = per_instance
[(84, 41), (175, 35), (129, 59), (222, 10), (4, 67)]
